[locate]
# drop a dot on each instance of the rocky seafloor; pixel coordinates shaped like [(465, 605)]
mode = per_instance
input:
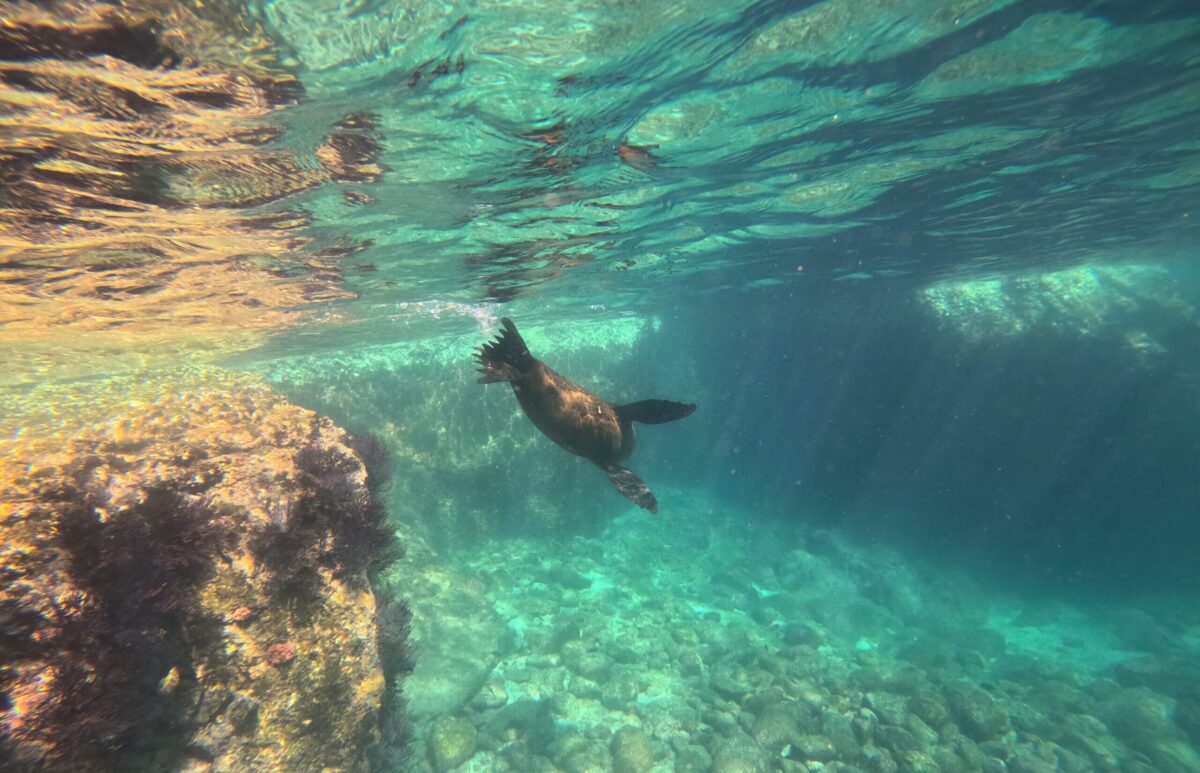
[(710, 640)]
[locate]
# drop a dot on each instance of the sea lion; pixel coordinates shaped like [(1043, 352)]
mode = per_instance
[(573, 417)]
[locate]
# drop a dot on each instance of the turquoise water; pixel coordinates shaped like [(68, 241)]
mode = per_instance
[(927, 269), (793, 146)]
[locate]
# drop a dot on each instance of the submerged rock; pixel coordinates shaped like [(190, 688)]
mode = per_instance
[(918, 762), (620, 691), (586, 662), (1187, 716), (529, 722), (188, 584), (491, 696), (776, 729), (740, 754), (1141, 718), (1033, 758), (813, 747), (631, 751), (839, 729), (1174, 757), (566, 577), (730, 681), (1088, 737), (459, 636), (569, 743), (888, 707), (802, 633), (590, 758), (692, 759), (977, 712), (451, 742), (896, 738), (930, 707), (878, 760), (1166, 675)]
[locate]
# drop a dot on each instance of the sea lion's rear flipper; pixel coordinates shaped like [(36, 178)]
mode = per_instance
[(654, 411), (632, 487), (504, 359)]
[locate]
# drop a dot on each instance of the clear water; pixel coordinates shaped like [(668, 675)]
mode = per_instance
[(926, 267)]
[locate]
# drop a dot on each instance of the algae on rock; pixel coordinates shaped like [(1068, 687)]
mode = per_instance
[(187, 585)]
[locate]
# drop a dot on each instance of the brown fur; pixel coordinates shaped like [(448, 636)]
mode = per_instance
[(573, 417)]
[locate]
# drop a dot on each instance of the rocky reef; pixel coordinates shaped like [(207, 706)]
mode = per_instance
[(187, 586)]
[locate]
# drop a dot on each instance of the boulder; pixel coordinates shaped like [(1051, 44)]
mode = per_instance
[(186, 584), (457, 635), (451, 742), (631, 751), (977, 712), (740, 754)]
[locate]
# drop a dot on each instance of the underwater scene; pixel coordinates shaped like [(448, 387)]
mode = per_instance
[(567, 386)]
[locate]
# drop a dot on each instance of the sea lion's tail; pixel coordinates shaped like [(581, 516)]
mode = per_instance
[(504, 359)]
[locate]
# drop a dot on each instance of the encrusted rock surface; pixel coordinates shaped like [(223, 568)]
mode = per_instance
[(185, 587)]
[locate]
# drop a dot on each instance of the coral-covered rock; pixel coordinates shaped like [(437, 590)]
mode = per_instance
[(157, 567)]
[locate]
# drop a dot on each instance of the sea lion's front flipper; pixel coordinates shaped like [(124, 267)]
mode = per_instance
[(654, 411), (632, 487)]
